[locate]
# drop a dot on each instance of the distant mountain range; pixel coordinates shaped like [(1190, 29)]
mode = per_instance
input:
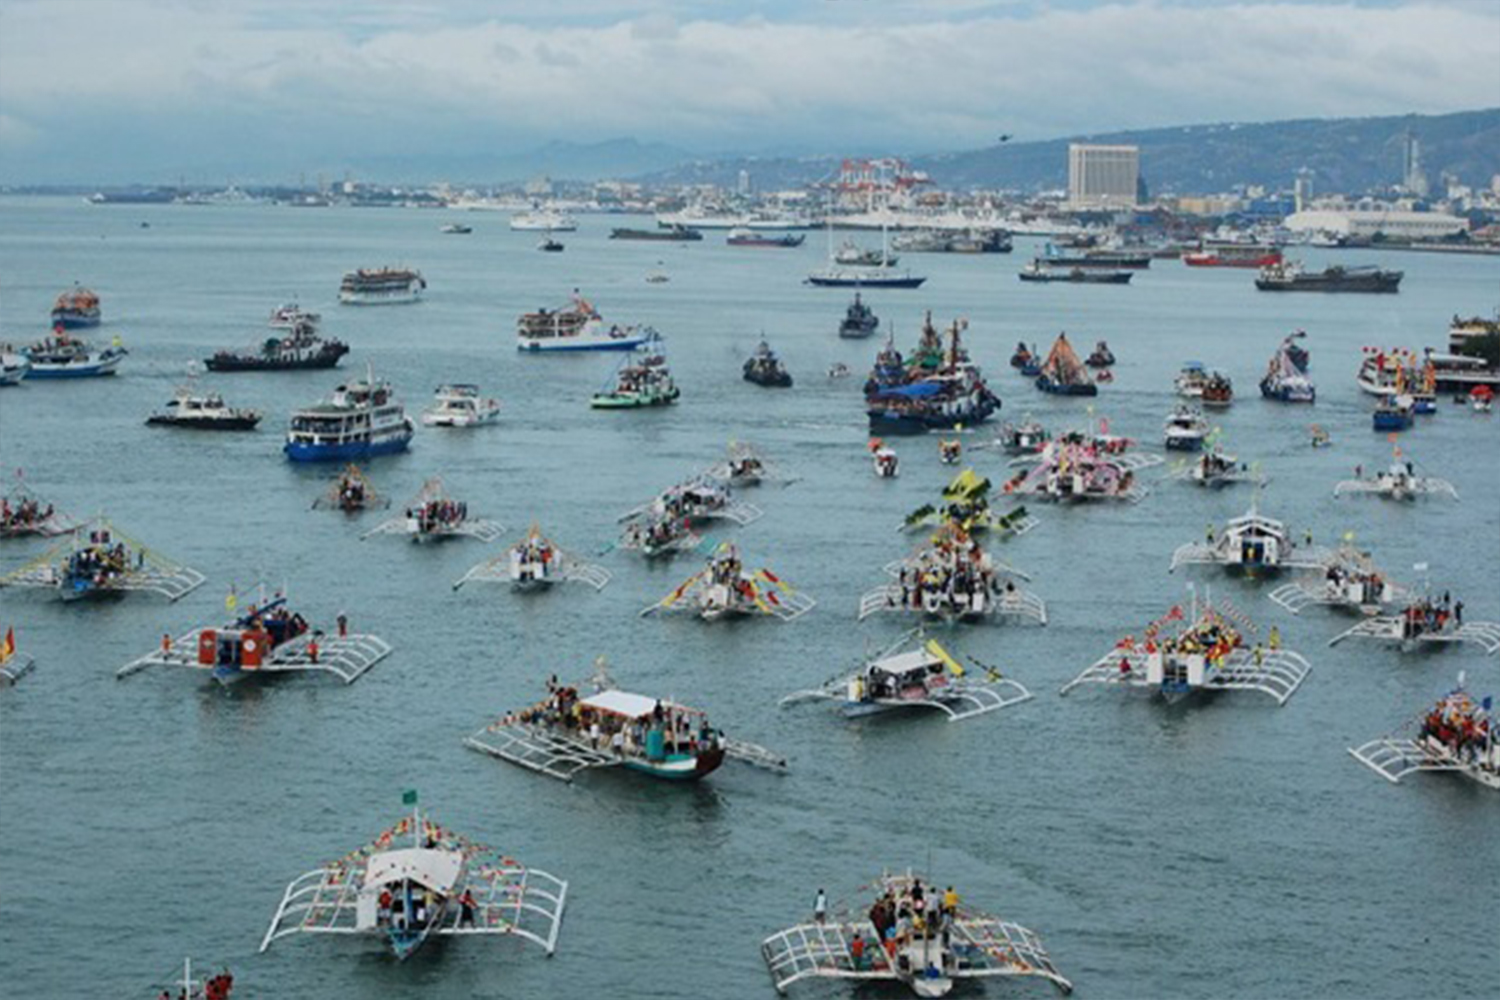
[(1344, 154)]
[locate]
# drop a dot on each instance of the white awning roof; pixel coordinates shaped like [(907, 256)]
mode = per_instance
[(907, 662), (437, 870), (621, 703)]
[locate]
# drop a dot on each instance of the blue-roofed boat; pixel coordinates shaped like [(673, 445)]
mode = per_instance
[(361, 419)]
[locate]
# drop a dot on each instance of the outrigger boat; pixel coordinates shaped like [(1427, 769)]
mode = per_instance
[(967, 505), (268, 639), (914, 934), (1349, 580), (362, 419), (203, 412), (765, 368), (1185, 429), (1216, 467), (536, 562), (1063, 374), (1253, 544), (97, 560), (745, 465), (939, 388), (576, 327), (23, 513), (949, 577), (62, 356), (1286, 378), (433, 515), (887, 464), (1399, 482), (219, 986), (1426, 623), (13, 665), (443, 885), (566, 734), (1457, 735), (643, 379), (727, 589), (916, 672), (1206, 649), (695, 502), (301, 349), (859, 321), (1079, 467), (459, 405), (351, 493)]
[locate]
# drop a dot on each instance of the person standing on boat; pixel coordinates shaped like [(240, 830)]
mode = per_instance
[(820, 907), (466, 913), (343, 623)]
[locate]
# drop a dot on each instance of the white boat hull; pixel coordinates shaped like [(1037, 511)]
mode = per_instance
[(396, 297)]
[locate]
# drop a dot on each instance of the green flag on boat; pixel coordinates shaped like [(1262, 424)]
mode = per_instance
[(409, 797)]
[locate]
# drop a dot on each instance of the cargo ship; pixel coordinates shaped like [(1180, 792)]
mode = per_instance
[(1290, 277)]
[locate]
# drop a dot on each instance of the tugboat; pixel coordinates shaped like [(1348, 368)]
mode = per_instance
[(859, 321), (1102, 356), (204, 413), (460, 405), (76, 308), (643, 379), (1185, 429), (1286, 378), (1062, 374), (1290, 277), (300, 350), (765, 368), (938, 389), (62, 356), (361, 419), (380, 287)]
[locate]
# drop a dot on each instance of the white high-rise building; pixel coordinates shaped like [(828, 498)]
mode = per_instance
[(1103, 176)]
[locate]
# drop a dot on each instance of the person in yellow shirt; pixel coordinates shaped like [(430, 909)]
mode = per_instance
[(950, 901)]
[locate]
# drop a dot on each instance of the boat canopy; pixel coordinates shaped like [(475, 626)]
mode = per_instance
[(632, 706), (915, 389), (910, 662), (436, 869)]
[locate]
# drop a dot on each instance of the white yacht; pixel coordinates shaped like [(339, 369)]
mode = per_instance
[(460, 405)]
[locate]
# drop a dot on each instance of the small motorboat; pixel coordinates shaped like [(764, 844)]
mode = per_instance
[(62, 356), (765, 368), (1102, 357), (838, 370), (456, 228), (460, 405), (1482, 398), (203, 413), (886, 462), (549, 245), (13, 367)]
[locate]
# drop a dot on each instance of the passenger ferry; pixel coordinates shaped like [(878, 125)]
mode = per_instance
[(385, 286), (539, 220), (61, 356), (360, 420), (576, 326)]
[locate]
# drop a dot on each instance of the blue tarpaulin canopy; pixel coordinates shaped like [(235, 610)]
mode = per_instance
[(915, 389)]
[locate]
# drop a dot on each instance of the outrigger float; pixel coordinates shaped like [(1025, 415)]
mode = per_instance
[(726, 589), (566, 734), (536, 562), (949, 577), (1399, 482), (268, 639), (13, 665), (967, 505), (98, 560), (443, 885), (351, 493), (914, 934), (1426, 623), (432, 515), (1348, 580), (1251, 543), (24, 513), (916, 672), (1204, 649), (1457, 735)]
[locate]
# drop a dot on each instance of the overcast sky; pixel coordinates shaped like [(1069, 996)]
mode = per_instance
[(97, 90)]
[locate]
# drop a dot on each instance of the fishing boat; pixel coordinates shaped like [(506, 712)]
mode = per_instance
[(1286, 378), (1025, 438), (536, 563), (540, 219), (290, 316), (1025, 360), (643, 379), (206, 412), (442, 885), (569, 732), (938, 388), (576, 326), (433, 515), (63, 356), (1458, 735), (1218, 391), (1191, 380), (1233, 255), (300, 349), (859, 321), (744, 237), (951, 578), (24, 513), (97, 560), (669, 234), (1252, 544), (458, 404), (362, 419), (456, 229), (1399, 481), (913, 935), (14, 366), (916, 672), (14, 664), (1425, 622), (1102, 356), (1209, 647), (887, 463), (726, 588), (381, 286), (1063, 374), (219, 986), (1043, 272), (1288, 276), (351, 493), (269, 638), (1215, 468), (75, 309), (765, 368), (1348, 580), (966, 503), (1185, 429)]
